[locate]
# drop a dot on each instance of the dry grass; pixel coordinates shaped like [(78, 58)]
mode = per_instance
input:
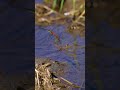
[(45, 15), (45, 79)]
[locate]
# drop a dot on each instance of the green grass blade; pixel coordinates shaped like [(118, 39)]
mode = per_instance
[(61, 5), (54, 4), (74, 4)]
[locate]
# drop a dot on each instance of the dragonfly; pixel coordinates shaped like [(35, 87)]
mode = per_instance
[(57, 38), (52, 44)]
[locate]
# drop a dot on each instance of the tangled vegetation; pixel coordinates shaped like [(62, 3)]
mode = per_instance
[(69, 12), (46, 78)]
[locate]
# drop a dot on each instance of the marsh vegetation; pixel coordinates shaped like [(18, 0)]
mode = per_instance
[(69, 13), (66, 12)]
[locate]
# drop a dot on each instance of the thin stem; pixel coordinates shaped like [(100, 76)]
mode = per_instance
[(61, 5), (54, 4), (74, 4)]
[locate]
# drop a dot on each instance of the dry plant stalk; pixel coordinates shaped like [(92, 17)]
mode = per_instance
[(44, 13), (45, 80)]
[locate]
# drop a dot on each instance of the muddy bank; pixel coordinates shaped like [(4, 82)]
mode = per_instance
[(104, 11), (17, 81)]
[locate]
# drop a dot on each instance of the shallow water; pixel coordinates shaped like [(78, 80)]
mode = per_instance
[(45, 48)]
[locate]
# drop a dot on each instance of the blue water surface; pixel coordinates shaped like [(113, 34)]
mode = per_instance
[(44, 47)]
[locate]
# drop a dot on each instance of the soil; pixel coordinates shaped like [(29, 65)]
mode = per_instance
[(104, 11), (16, 82)]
